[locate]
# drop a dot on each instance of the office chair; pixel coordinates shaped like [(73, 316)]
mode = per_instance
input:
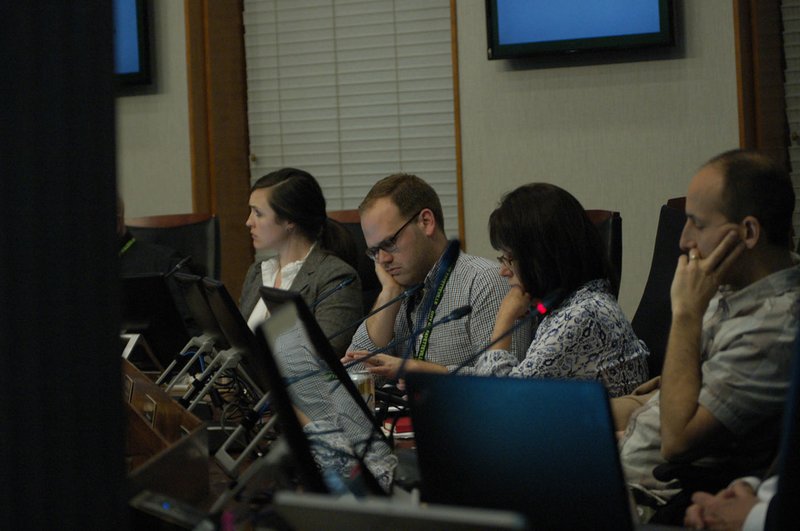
[(653, 316), (370, 285), (194, 235), (609, 224)]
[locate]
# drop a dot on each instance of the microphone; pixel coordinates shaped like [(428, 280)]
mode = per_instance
[(458, 313), (327, 293), (538, 308), (177, 266), (404, 295)]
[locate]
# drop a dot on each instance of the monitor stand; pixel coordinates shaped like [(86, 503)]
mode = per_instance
[(203, 345), (228, 462), (225, 360)]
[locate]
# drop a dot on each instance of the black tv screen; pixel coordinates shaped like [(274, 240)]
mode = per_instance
[(132, 43), (519, 28)]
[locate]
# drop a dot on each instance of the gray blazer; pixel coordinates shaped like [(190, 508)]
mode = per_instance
[(320, 272)]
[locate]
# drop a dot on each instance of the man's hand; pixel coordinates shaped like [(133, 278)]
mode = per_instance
[(380, 326), (388, 366), (698, 278), (388, 284), (726, 511)]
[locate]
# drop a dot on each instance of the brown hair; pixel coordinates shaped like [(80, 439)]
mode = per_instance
[(409, 193), (754, 185)]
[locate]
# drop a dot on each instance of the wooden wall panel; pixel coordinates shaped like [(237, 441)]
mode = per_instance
[(218, 127)]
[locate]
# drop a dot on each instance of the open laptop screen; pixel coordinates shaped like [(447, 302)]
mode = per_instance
[(317, 394)]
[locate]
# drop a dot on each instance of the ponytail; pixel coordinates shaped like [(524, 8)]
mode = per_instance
[(336, 239)]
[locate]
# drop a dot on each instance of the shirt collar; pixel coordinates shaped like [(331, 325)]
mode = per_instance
[(442, 263), (741, 300)]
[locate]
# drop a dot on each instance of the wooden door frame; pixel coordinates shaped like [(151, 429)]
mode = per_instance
[(759, 74), (219, 141)]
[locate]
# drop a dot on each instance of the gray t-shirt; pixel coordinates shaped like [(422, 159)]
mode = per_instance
[(747, 341)]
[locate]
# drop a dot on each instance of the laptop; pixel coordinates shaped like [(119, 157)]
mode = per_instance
[(311, 512), (305, 375), (544, 448)]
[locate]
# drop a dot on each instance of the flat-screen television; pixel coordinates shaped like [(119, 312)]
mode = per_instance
[(519, 28), (132, 65)]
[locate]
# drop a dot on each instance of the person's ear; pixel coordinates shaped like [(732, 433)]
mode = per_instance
[(750, 231), (428, 221)]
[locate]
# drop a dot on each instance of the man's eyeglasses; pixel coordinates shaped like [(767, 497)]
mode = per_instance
[(389, 245), (505, 261)]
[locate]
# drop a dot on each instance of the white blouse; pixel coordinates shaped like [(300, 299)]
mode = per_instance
[(270, 269)]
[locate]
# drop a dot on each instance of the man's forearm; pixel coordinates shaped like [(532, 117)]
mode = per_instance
[(380, 326), (681, 380)]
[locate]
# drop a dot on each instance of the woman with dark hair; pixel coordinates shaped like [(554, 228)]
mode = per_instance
[(288, 218), (549, 246)]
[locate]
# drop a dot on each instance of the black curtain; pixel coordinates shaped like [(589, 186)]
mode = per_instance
[(61, 417)]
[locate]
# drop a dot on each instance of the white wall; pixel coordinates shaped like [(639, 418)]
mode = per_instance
[(153, 164), (623, 136)]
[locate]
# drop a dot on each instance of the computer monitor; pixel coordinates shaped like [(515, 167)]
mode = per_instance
[(207, 338), (203, 320), (238, 334), (149, 309)]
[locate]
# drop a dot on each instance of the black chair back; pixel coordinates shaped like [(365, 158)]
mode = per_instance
[(194, 235), (370, 285), (653, 316), (784, 510), (609, 224)]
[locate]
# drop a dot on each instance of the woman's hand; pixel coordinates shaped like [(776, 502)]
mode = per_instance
[(515, 305)]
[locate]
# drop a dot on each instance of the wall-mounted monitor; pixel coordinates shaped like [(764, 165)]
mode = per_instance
[(132, 65), (520, 28)]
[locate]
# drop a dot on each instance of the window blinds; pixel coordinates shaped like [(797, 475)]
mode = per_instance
[(352, 91), (791, 45)]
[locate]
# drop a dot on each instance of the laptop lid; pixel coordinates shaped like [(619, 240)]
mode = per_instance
[(306, 376), (545, 448), (311, 512)]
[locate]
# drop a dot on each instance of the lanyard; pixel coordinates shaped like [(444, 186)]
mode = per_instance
[(437, 298), (127, 246)]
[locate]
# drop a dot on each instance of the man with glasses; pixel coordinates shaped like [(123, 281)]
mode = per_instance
[(404, 229)]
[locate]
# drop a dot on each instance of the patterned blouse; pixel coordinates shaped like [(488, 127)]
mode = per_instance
[(587, 337)]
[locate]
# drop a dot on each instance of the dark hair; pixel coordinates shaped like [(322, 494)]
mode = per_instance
[(754, 185), (297, 197), (410, 193), (551, 238)]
